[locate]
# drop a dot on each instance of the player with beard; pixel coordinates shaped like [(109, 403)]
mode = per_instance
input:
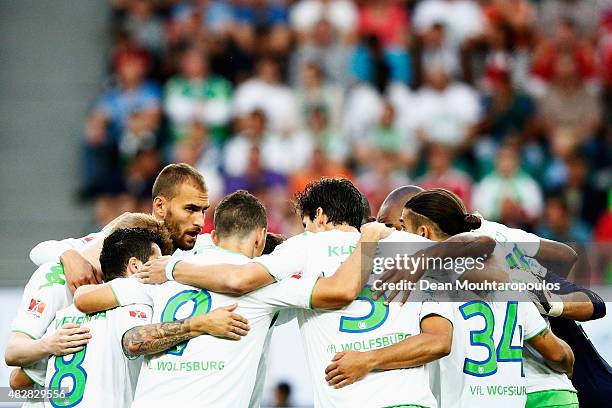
[(180, 200)]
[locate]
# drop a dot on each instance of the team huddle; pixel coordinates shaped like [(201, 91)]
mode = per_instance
[(150, 312)]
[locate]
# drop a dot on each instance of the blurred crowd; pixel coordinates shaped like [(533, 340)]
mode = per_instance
[(505, 102)]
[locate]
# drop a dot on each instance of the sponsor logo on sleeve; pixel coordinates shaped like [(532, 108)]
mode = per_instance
[(36, 307), (138, 314)]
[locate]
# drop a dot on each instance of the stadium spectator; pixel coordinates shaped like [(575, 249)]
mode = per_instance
[(282, 395), (463, 18), (322, 87), (341, 14), (565, 44), (569, 105), (584, 13), (508, 194), (316, 92), (328, 139), (323, 47), (385, 19), (559, 225), (447, 111), (267, 92), (441, 174), (142, 24), (196, 95)]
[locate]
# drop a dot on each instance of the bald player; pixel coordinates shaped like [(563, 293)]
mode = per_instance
[(391, 209)]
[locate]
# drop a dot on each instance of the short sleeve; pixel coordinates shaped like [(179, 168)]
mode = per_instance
[(39, 304), (442, 309), (128, 317), (129, 291), (528, 242), (288, 259), (293, 292), (533, 322)]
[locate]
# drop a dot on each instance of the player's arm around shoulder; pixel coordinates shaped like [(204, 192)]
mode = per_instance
[(158, 337), (346, 283), (432, 343), (220, 278), (95, 298)]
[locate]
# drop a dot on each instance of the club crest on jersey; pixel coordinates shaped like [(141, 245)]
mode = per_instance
[(297, 275), (36, 307), (138, 314)]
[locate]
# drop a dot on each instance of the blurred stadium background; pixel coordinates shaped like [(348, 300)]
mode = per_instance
[(505, 102)]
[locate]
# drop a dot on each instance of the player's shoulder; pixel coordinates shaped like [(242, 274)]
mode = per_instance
[(403, 236), (47, 275), (212, 254)]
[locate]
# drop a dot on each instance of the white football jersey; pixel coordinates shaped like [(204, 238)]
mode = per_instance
[(485, 366), (100, 375), (514, 245), (45, 293), (363, 325), (50, 251), (217, 372), (202, 241)]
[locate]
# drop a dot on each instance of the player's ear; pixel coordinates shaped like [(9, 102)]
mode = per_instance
[(423, 231), (320, 217), (214, 237), (160, 207), (260, 239), (133, 265)]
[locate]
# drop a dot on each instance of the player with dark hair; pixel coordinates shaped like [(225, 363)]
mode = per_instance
[(227, 375), (324, 205), (391, 208), (326, 244), (520, 251), (46, 293), (437, 215)]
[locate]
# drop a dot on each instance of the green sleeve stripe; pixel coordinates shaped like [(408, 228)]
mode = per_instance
[(26, 333), (25, 371), (114, 294), (314, 284), (537, 334), (267, 270)]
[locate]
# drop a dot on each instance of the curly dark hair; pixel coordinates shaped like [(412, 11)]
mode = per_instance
[(339, 199), (124, 243)]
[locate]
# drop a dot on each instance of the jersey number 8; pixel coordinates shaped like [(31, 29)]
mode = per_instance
[(69, 368)]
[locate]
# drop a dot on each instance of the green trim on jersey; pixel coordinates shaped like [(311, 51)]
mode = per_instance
[(537, 334), (25, 371), (218, 248), (26, 333), (312, 292), (552, 399), (267, 270), (115, 295)]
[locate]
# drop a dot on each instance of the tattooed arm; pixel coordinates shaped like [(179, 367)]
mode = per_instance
[(158, 337)]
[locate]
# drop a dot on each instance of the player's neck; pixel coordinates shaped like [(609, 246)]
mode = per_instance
[(244, 247), (341, 227)]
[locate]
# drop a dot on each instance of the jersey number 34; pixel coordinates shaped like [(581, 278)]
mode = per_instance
[(504, 352)]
